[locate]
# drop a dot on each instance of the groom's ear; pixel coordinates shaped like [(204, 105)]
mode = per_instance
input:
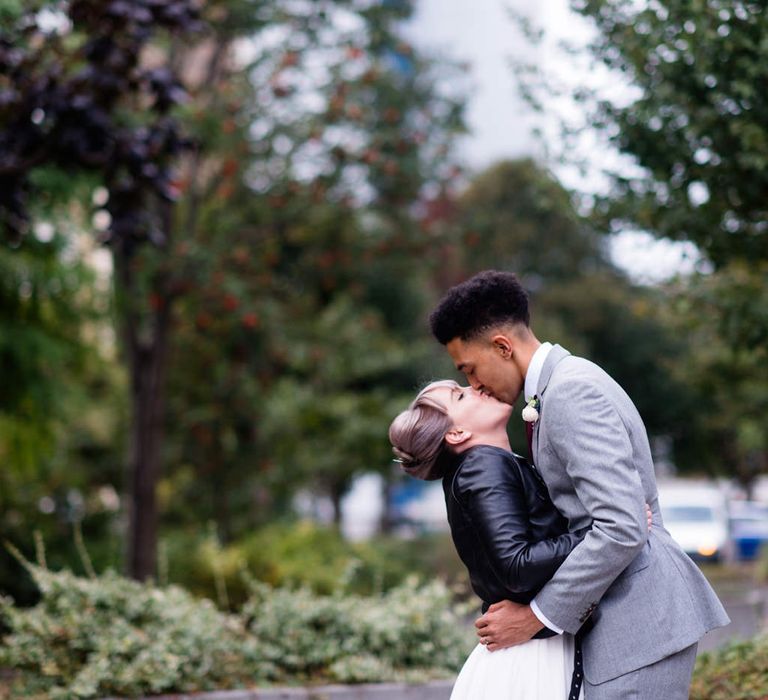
[(457, 436), (503, 345)]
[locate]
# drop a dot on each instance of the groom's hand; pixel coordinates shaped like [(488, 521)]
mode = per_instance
[(506, 624)]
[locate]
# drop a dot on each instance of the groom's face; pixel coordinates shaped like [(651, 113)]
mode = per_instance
[(487, 368)]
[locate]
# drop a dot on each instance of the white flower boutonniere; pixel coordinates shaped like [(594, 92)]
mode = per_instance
[(531, 410)]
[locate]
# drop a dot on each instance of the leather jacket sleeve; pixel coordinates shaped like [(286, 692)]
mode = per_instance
[(491, 491)]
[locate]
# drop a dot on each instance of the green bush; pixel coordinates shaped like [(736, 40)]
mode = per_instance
[(112, 636), (738, 671), (107, 635), (297, 554), (411, 631), (304, 554)]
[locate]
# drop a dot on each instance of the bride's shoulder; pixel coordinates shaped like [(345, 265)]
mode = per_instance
[(488, 463)]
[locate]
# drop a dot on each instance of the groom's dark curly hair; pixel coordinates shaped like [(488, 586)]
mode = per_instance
[(488, 299)]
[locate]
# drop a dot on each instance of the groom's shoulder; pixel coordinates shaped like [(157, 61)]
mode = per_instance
[(574, 368), (574, 374)]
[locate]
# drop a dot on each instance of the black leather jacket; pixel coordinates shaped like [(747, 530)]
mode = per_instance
[(506, 530)]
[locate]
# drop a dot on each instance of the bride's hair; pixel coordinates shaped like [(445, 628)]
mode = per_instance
[(418, 434)]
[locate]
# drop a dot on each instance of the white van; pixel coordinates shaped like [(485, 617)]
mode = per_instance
[(696, 515)]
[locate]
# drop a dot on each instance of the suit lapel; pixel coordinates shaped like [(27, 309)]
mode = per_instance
[(556, 354)]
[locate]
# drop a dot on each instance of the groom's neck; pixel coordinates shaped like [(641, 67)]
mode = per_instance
[(524, 351)]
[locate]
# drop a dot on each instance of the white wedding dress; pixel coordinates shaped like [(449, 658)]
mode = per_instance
[(540, 669)]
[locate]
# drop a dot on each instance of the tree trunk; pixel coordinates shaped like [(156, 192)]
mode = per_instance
[(149, 370), (145, 326), (336, 492)]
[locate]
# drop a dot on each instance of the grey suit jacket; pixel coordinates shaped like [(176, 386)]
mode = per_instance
[(646, 597)]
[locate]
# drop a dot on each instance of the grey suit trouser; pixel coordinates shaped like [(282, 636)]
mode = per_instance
[(668, 679)]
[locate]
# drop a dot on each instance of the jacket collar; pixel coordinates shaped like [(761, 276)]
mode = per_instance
[(556, 354)]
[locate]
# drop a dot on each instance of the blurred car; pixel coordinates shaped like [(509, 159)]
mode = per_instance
[(749, 528), (697, 518)]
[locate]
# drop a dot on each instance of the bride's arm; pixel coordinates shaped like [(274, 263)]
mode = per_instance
[(491, 490)]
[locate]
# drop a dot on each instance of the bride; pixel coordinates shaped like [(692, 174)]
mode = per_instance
[(505, 528)]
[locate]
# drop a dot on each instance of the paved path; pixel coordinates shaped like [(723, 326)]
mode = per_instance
[(436, 690)]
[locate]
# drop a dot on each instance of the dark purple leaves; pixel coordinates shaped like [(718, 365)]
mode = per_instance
[(167, 89), (66, 106)]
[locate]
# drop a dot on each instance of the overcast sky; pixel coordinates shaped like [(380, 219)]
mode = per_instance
[(481, 33)]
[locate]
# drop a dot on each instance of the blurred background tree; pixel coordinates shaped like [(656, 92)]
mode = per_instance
[(311, 145), (80, 97), (273, 192), (690, 125), (697, 129), (307, 294), (695, 122), (726, 432), (515, 215), (59, 418)]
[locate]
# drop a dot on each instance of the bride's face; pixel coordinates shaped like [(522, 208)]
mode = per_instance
[(473, 411)]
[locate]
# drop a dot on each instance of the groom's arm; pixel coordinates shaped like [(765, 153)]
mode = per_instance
[(506, 623), (590, 439)]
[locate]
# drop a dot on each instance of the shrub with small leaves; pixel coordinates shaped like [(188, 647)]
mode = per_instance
[(412, 632), (112, 636), (735, 672)]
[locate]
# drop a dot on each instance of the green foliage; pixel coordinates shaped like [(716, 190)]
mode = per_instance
[(721, 375), (696, 120), (58, 414), (104, 636), (306, 555), (90, 638), (304, 293), (111, 636), (295, 199), (735, 672), (40, 340), (515, 215), (411, 629)]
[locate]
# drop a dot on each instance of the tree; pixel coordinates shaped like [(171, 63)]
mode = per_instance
[(101, 94), (79, 98), (692, 124), (728, 382), (59, 419), (697, 129), (516, 216), (697, 124), (692, 118), (304, 292)]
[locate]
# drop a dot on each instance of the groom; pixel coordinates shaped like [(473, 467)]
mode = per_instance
[(648, 601)]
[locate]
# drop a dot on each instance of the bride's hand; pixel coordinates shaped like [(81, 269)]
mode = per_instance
[(649, 516)]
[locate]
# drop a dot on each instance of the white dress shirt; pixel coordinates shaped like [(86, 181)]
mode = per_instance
[(534, 370), (531, 382)]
